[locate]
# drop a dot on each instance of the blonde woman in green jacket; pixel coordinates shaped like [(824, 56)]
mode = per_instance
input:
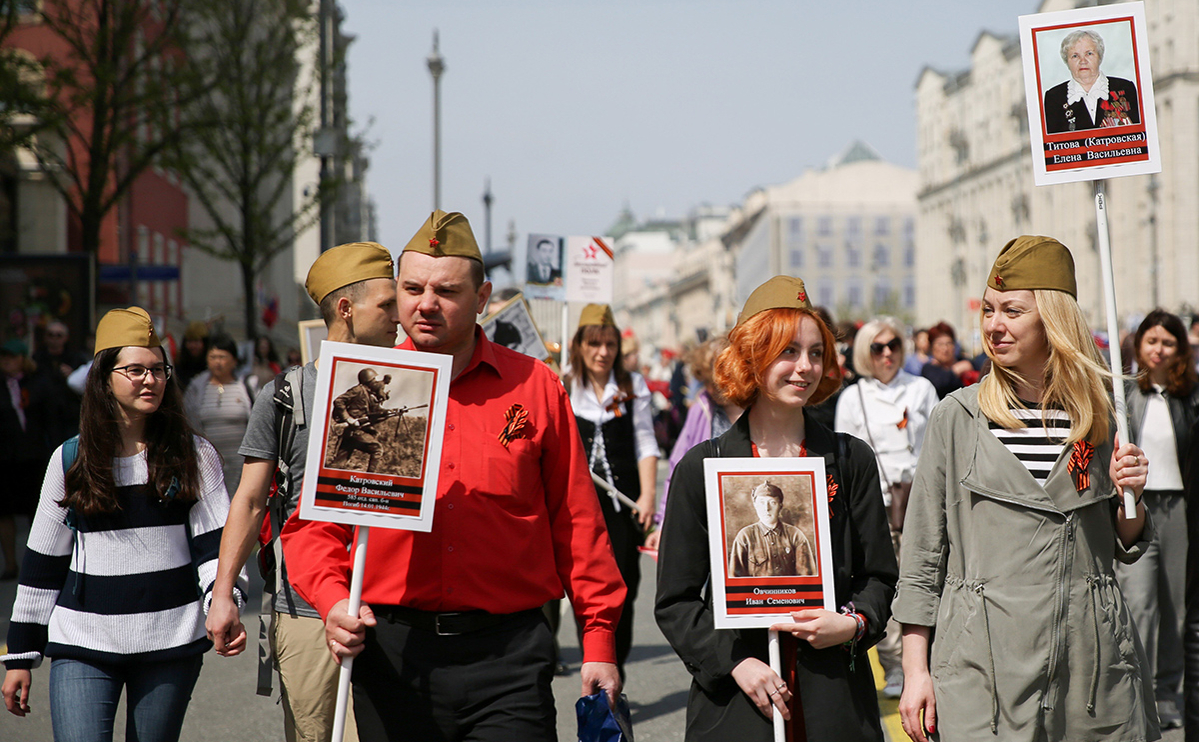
[(1014, 626)]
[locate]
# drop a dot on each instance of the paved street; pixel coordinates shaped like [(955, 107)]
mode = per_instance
[(225, 707)]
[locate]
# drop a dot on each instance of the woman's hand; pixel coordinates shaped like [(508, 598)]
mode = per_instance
[(645, 511), (918, 706), (763, 686), (651, 541), (819, 627), (16, 691), (1129, 468)]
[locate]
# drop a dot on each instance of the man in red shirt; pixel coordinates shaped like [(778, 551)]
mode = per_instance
[(451, 642)]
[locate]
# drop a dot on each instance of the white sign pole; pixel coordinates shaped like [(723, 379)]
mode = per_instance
[(776, 664), (347, 663), (564, 358), (1113, 329)]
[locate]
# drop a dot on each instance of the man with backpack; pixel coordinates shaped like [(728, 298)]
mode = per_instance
[(354, 285)]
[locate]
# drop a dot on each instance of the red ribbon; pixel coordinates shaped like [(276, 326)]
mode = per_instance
[(1080, 460)]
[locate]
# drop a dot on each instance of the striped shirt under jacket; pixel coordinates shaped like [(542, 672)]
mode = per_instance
[(120, 586)]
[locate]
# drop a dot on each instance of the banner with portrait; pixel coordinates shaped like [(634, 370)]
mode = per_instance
[(769, 541), (511, 325), (1089, 93), (374, 451), (545, 267)]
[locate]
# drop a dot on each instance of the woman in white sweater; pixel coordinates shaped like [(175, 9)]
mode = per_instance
[(122, 553)]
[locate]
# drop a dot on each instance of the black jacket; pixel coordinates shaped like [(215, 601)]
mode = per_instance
[(839, 703), (1058, 113)]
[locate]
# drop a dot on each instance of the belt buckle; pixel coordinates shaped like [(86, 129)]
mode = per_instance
[(437, 624)]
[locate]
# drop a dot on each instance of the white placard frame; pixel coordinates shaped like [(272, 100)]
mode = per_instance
[(805, 492), (515, 311), (590, 269), (375, 498), (1064, 157)]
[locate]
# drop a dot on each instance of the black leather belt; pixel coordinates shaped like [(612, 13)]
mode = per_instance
[(451, 624)]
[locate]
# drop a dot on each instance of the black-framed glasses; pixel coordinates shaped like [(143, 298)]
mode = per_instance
[(137, 371), (894, 345)]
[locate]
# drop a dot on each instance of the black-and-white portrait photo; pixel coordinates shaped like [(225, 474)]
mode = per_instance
[(378, 419), (544, 261), (511, 325), (778, 539)]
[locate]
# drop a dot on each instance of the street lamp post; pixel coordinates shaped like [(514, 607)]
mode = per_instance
[(487, 210), (436, 67)]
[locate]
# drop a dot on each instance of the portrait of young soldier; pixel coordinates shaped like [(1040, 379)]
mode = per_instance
[(359, 409), (770, 547)]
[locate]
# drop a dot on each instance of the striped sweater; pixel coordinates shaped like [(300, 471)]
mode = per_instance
[(128, 585), (1039, 442)]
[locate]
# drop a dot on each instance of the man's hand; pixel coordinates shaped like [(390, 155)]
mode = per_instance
[(224, 627), (601, 675), (344, 633)]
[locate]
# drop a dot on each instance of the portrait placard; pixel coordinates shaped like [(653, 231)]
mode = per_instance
[(545, 267), (377, 423), (312, 333), (511, 325), (769, 539), (1089, 92), (590, 264)]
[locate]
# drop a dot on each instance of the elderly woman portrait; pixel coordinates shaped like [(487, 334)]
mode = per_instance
[(1089, 99)]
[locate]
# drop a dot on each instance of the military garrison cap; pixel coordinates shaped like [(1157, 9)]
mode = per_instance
[(347, 264), (599, 315), (780, 292), (1031, 262), (120, 328), (445, 234)]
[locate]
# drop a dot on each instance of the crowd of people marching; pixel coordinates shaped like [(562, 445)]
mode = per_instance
[(977, 534)]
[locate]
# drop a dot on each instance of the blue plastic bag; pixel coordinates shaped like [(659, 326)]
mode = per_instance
[(598, 723)]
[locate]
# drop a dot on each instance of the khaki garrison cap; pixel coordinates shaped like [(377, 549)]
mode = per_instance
[(347, 264), (443, 235), (599, 315), (780, 292), (1030, 262), (126, 327)]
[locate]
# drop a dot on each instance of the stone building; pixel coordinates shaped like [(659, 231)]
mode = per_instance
[(976, 186)]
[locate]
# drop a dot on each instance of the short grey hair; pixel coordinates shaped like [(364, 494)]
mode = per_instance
[(1074, 37), (863, 362)]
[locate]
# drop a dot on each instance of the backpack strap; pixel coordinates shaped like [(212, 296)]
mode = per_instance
[(289, 415)]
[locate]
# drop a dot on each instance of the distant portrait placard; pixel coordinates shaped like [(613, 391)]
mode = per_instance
[(511, 325), (377, 423), (769, 539), (1089, 91), (545, 267)]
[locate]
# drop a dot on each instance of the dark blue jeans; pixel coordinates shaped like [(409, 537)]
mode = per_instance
[(84, 695)]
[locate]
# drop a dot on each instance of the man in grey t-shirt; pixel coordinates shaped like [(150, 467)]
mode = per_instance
[(355, 287)]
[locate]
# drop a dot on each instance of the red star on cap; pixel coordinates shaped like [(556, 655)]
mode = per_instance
[(802, 296), (434, 242), (998, 280)]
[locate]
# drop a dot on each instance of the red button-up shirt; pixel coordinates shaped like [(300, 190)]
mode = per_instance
[(512, 526)]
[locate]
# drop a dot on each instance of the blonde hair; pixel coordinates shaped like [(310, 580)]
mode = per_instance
[(863, 359), (1076, 376)]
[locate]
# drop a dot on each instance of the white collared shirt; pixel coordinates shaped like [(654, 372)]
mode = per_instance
[(896, 448), (1157, 440), (1098, 92), (585, 404)]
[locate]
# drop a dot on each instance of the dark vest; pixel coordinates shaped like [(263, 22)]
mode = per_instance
[(620, 443)]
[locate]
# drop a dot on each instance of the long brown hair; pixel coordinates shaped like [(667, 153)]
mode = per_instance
[(578, 372), (170, 445), (1180, 370)]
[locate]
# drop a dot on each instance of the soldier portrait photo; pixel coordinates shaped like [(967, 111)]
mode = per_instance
[(770, 530), (378, 419)]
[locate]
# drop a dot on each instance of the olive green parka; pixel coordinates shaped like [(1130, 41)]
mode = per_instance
[(1032, 639)]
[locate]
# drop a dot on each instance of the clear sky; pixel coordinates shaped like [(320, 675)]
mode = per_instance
[(575, 109)]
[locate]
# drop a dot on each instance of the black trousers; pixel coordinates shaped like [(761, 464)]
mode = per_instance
[(1190, 629), (491, 685)]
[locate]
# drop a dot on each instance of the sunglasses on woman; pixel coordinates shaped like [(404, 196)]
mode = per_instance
[(894, 345)]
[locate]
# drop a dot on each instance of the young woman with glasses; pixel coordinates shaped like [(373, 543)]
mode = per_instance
[(122, 552)]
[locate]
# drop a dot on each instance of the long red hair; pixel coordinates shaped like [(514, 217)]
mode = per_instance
[(757, 342)]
